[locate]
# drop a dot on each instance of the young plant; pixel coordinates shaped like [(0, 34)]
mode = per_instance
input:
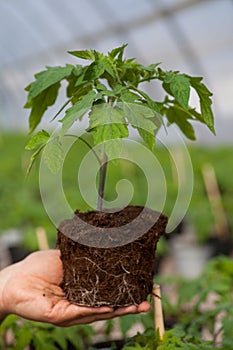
[(112, 82), (113, 270)]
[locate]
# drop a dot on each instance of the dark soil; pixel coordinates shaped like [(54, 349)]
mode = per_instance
[(93, 273)]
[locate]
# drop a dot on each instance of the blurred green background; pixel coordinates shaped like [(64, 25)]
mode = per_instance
[(21, 207)]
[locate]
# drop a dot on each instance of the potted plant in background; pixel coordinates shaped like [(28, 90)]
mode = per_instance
[(99, 267)]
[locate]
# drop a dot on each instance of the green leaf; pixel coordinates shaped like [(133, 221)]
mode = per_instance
[(227, 341), (81, 90), (47, 78), (59, 336), (40, 103), (126, 323), (150, 68), (94, 70), (205, 101), (139, 117), (110, 68), (40, 138), (54, 155), (147, 137), (158, 118), (106, 114), (72, 79), (114, 146), (180, 87), (23, 338), (84, 54), (107, 123), (78, 110), (34, 157), (39, 141), (179, 116), (118, 51), (9, 321), (128, 96)]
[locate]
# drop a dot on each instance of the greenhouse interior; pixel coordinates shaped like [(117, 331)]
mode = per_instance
[(116, 184)]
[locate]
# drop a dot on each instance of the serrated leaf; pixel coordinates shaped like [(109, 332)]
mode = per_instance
[(140, 118), (40, 138), (54, 155), (73, 78), (104, 90), (39, 141), (34, 157), (147, 137), (118, 88), (84, 54), (109, 67), (78, 110), (94, 70), (40, 104), (106, 114), (112, 133), (81, 90), (180, 87), (205, 101), (118, 51), (150, 68), (108, 124), (46, 79), (128, 96), (178, 116), (155, 107), (113, 147)]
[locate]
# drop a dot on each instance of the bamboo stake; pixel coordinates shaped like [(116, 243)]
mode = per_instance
[(42, 238), (158, 310), (215, 200)]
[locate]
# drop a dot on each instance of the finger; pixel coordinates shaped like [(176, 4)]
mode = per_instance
[(87, 319), (132, 309), (144, 307)]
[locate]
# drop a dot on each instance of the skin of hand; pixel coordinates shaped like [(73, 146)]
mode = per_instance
[(30, 289)]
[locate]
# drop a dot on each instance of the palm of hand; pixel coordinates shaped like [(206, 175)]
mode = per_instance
[(32, 291)]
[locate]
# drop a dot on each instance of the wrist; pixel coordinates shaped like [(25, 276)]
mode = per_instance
[(4, 276)]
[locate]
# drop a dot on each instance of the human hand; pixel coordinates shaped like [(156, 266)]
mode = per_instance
[(30, 289)]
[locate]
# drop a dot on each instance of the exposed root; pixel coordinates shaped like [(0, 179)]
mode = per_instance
[(114, 276)]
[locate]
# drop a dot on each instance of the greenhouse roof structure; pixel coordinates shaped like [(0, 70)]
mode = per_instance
[(194, 36)]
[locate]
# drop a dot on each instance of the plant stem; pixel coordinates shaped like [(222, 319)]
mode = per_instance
[(102, 180), (87, 144)]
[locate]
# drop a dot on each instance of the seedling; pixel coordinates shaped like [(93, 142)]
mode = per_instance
[(111, 79), (113, 83)]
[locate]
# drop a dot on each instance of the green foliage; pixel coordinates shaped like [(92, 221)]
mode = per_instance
[(202, 300), (38, 142), (114, 80), (43, 92), (53, 154), (21, 206), (179, 85), (172, 340), (28, 212), (44, 336)]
